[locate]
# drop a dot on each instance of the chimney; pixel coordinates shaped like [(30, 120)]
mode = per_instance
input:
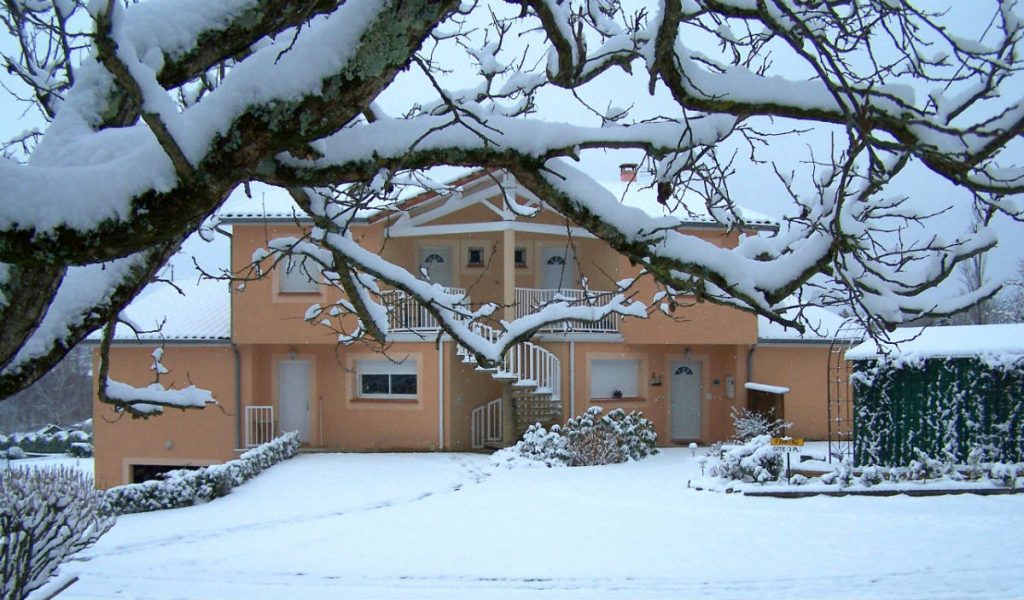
[(627, 172)]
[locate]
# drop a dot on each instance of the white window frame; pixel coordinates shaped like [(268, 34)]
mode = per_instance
[(298, 275), (386, 367), (610, 374)]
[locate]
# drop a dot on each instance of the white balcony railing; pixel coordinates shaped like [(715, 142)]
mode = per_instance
[(406, 314), (259, 425), (529, 300)]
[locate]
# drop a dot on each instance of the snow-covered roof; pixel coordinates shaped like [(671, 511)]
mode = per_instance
[(764, 387), (946, 342), (823, 326), (692, 210), (202, 314), (274, 204)]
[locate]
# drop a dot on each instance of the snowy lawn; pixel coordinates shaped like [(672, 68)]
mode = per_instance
[(50, 460), (449, 525)]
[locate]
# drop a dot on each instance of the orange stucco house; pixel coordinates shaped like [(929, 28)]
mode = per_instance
[(272, 371)]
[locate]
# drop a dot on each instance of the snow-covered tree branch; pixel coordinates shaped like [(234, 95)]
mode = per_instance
[(159, 109)]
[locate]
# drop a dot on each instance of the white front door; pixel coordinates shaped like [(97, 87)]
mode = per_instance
[(558, 268), (436, 264), (686, 400), (293, 391)]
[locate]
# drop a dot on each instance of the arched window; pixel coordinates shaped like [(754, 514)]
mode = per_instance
[(683, 370), (434, 259), (556, 260)]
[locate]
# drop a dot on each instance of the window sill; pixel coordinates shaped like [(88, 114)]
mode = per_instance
[(385, 400), (623, 399), (309, 293)]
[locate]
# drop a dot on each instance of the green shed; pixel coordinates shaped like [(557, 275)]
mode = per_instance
[(953, 393)]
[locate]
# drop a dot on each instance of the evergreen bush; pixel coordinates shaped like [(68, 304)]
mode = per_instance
[(753, 462), (186, 487), (590, 439)]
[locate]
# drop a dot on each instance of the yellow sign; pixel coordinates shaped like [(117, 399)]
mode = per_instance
[(787, 441)]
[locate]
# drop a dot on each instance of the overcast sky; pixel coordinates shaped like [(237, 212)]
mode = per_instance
[(755, 190)]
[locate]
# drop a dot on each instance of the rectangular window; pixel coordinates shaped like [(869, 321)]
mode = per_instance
[(476, 257), (299, 275), (385, 379), (617, 378), (520, 257)]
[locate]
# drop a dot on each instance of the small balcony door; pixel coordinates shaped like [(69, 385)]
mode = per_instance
[(436, 263), (293, 391), (558, 269)]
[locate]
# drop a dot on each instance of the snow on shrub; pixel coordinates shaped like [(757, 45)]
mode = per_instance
[(15, 453), (753, 462), (748, 424), (80, 450), (185, 487), (46, 515), (46, 443), (589, 439)]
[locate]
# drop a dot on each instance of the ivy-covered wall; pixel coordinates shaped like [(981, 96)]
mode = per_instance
[(956, 409)]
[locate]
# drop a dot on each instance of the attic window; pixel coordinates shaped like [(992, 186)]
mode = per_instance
[(520, 257), (476, 257)]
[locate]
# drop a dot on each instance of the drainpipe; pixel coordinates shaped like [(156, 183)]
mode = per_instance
[(440, 395), (750, 362), (572, 378), (238, 396)]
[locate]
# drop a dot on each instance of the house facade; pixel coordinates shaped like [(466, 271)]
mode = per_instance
[(271, 371)]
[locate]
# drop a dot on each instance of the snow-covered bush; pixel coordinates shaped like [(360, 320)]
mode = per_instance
[(15, 453), (748, 424), (548, 447), (189, 487), (46, 443), (592, 439), (753, 462), (80, 450), (589, 439), (46, 515)]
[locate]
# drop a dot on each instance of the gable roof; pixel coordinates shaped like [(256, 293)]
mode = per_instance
[(201, 313), (275, 205), (954, 341)]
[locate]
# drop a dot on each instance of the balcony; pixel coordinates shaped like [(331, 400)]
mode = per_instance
[(408, 315), (529, 300)]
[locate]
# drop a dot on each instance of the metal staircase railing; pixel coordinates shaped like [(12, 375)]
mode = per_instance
[(529, 367)]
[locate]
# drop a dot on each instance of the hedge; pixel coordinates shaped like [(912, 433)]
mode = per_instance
[(186, 487)]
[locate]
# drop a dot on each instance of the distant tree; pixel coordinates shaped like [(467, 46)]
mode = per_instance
[(165, 107), (61, 397)]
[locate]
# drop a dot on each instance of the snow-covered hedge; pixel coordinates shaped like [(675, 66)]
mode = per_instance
[(753, 462), (189, 487), (46, 443), (589, 439), (46, 515)]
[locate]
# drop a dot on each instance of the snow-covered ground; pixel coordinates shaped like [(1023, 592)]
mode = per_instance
[(449, 525), (50, 460)]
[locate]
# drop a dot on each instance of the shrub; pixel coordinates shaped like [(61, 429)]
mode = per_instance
[(614, 438), (189, 487), (548, 447), (80, 450), (15, 453), (53, 443), (589, 439), (753, 462), (748, 424), (46, 515)]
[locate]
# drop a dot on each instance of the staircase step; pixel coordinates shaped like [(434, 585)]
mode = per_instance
[(525, 383)]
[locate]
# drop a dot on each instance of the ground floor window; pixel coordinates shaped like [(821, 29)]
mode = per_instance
[(386, 379), (142, 473), (614, 378)]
